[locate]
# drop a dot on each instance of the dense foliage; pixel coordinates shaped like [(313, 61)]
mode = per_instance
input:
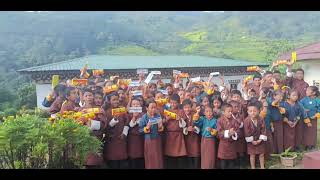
[(30, 141)]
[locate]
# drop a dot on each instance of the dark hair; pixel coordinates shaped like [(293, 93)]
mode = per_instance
[(152, 84), (276, 71), (148, 102), (234, 102), (315, 89), (186, 102), (267, 72), (235, 91), (168, 85), (299, 69), (257, 76), (216, 98), (291, 91), (254, 104), (136, 99), (60, 88), (97, 93), (205, 96), (68, 91), (112, 94), (87, 90), (175, 97), (226, 105)]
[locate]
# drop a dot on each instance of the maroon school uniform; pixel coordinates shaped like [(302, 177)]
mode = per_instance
[(174, 138), (116, 148), (192, 139), (241, 145), (97, 159), (227, 146), (135, 140), (299, 85), (254, 87), (67, 106), (56, 105), (254, 132)]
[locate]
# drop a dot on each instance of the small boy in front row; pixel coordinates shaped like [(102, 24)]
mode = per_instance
[(255, 135), (228, 130)]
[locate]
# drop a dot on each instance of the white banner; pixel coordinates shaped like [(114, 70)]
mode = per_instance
[(135, 109)]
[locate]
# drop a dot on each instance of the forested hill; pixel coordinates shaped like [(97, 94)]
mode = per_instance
[(35, 38)]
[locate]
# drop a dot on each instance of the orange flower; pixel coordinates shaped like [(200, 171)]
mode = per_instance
[(195, 117), (282, 110), (146, 130)]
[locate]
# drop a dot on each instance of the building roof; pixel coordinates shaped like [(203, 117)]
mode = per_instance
[(135, 62), (308, 52)]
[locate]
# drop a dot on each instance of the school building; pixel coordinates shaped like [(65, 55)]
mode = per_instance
[(309, 58), (126, 67)]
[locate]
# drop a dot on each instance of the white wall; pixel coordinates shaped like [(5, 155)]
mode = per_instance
[(42, 92), (312, 70)]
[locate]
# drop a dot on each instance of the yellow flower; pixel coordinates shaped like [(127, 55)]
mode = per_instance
[(213, 132), (195, 117), (275, 104)]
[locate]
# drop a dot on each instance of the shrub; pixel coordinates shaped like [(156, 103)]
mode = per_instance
[(29, 141)]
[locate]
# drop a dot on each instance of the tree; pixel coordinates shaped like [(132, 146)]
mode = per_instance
[(27, 96)]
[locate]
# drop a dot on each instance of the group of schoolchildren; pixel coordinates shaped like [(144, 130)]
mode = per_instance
[(203, 125)]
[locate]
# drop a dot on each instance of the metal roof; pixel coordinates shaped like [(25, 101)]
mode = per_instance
[(135, 62)]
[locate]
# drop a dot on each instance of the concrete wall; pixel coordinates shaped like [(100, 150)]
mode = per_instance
[(312, 70), (44, 89)]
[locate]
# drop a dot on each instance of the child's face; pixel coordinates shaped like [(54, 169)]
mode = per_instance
[(208, 112), (299, 75), (187, 109), (309, 92), (256, 81), (153, 88), (152, 108), (236, 97), (216, 103), (253, 111), (235, 108), (205, 102), (278, 97), (73, 96), (268, 77), (187, 95), (135, 103), (294, 96), (122, 96), (98, 100), (252, 94), (198, 91), (158, 96), (88, 97), (173, 104), (181, 94), (170, 90), (193, 91), (114, 101), (228, 112)]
